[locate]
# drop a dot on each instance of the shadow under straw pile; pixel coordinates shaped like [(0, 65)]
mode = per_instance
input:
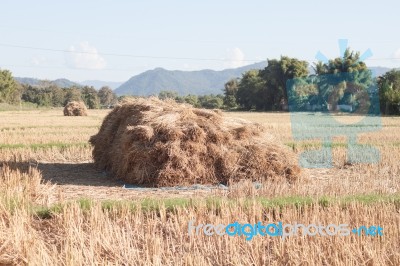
[(163, 143)]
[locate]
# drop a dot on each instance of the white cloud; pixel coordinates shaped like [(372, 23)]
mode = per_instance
[(38, 60), (187, 66), (235, 58), (397, 53), (85, 56)]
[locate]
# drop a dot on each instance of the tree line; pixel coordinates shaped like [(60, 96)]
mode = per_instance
[(51, 95), (59, 97), (210, 101), (342, 81)]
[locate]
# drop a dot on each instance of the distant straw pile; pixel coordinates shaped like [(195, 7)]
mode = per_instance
[(162, 143), (75, 109)]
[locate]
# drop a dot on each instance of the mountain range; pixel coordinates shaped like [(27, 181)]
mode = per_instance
[(62, 83), (65, 83), (151, 82), (97, 84), (183, 82)]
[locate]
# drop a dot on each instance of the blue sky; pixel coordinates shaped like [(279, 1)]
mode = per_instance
[(124, 38)]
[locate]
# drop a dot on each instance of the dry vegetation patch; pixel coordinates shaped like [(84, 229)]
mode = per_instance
[(45, 224), (162, 143), (75, 109)]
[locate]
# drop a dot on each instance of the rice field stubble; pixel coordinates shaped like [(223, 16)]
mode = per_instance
[(56, 209)]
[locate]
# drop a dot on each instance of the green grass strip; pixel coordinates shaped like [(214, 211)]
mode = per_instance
[(40, 146), (40, 127), (315, 145), (217, 203)]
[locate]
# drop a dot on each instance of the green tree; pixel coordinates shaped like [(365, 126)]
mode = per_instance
[(389, 92), (41, 96), (343, 80), (30, 94), (192, 99), (89, 96), (72, 94), (179, 99), (57, 96), (167, 95), (276, 75), (8, 86), (250, 93), (230, 91), (211, 101), (16, 95), (107, 96), (303, 93), (350, 62)]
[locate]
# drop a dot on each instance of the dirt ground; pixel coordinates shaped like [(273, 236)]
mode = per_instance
[(58, 147)]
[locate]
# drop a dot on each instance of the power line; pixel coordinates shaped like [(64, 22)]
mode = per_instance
[(70, 68), (155, 57), (123, 55), (133, 56)]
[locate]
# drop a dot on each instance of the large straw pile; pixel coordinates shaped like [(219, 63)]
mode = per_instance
[(75, 109), (162, 143)]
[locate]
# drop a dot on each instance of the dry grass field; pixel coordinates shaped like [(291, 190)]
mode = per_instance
[(56, 209)]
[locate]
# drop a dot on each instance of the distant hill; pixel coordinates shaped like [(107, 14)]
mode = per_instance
[(97, 84), (184, 82), (29, 81), (62, 83), (192, 82), (65, 83), (379, 71), (153, 81), (376, 71)]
